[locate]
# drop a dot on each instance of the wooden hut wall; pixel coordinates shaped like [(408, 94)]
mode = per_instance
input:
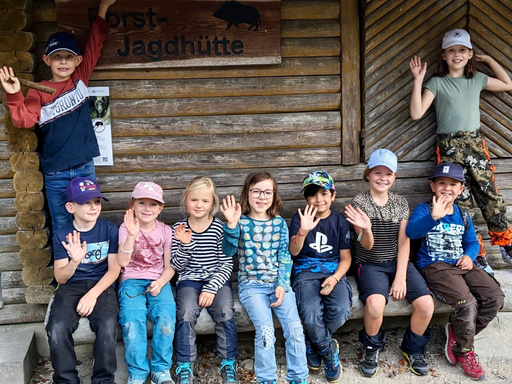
[(393, 32)]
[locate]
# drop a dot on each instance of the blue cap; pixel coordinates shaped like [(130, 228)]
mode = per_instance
[(385, 158), (62, 41), (83, 189), (450, 170)]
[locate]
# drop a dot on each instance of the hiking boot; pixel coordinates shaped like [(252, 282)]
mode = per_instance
[(314, 361), (185, 372), (133, 381), (228, 371), (506, 253), (471, 366), (417, 364), (332, 366), (481, 262), (161, 378), (369, 365), (450, 343)]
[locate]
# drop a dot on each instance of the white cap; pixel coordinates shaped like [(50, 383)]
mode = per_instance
[(456, 37)]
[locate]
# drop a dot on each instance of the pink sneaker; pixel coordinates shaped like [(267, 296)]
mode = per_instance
[(471, 366), (450, 342)]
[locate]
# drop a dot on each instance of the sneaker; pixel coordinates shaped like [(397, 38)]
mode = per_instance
[(450, 343), (471, 366), (185, 372), (303, 381), (369, 366), (133, 381), (332, 366), (482, 263), (161, 378), (228, 371), (267, 382), (506, 253), (417, 364), (314, 361)]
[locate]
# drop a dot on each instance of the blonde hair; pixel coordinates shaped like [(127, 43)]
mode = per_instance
[(200, 182)]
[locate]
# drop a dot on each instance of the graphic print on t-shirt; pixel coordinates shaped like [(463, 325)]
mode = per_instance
[(96, 252), (444, 241), (320, 245), (146, 254)]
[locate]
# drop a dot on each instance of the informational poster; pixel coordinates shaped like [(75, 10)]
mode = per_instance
[(99, 101)]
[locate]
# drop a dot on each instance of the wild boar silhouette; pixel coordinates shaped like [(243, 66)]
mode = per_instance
[(236, 13)]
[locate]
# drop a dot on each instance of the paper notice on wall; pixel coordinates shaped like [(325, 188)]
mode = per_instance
[(99, 101)]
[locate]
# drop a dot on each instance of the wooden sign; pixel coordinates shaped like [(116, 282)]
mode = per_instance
[(179, 33)]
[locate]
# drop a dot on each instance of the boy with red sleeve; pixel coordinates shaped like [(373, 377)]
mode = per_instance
[(64, 118)]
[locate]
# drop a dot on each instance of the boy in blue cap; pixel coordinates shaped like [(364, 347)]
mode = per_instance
[(445, 259), (64, 118), (86, 268), (320, 246)]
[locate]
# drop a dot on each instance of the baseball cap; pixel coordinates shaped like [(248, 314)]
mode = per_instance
[(148, 190), (383, 157), (322, 179), (456, 37), (62, 41), (451, 170), (83, 189)]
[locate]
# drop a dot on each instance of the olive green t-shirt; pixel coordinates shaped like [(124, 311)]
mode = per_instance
[(457, 102)]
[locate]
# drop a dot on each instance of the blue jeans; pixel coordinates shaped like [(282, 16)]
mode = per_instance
[(256, 299), (221, 311), (133, 312), (56, 184), (321, 315), (63, 321)]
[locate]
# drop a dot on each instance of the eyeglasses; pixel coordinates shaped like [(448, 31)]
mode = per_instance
[(138, 294), (256, 193)]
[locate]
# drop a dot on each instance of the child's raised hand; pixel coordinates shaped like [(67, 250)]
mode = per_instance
[(206, 299), (465, 263), (131, 223), (358, 217), (231, 210), (183, 234), (439, 207), (10, 83), (307, 220), (484, 58), (76, 251), (417, 69), (107, 3), (104, 5), (279, 293)]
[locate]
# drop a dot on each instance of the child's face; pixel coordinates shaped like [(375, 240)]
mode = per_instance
[(199, 203), (85, 213), (457, 56), (261, 196), (62, 63), (446, 189), (322, 201), (146, 210), (381, 179)]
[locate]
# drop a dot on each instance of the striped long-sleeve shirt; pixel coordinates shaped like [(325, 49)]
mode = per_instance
[(202, 259)]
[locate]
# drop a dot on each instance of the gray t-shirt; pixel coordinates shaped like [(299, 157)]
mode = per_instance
[(457, 102)]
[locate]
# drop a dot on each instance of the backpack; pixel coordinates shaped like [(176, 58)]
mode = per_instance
[(417, 243)]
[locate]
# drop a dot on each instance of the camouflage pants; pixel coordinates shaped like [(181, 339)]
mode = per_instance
[(468, 149)]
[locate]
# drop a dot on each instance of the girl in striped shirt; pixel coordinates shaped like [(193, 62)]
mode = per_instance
[(204, 280), (382, 254)]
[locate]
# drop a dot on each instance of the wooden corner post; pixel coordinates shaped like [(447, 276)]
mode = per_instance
[(350, 82)]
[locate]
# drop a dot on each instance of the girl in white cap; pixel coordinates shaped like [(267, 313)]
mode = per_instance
[(382, 257), (144, 289), (455, 91)]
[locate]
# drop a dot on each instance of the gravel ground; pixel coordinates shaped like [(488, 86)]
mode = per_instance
[(392, 367)]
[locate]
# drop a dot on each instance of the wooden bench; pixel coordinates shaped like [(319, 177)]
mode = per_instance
[(205, 324)]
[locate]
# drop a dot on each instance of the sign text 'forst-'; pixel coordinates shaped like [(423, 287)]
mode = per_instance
[(179, 33)]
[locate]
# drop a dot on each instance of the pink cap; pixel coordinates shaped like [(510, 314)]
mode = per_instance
[(148, 190)]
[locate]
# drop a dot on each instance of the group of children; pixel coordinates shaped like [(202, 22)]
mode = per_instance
[(299, 274)]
